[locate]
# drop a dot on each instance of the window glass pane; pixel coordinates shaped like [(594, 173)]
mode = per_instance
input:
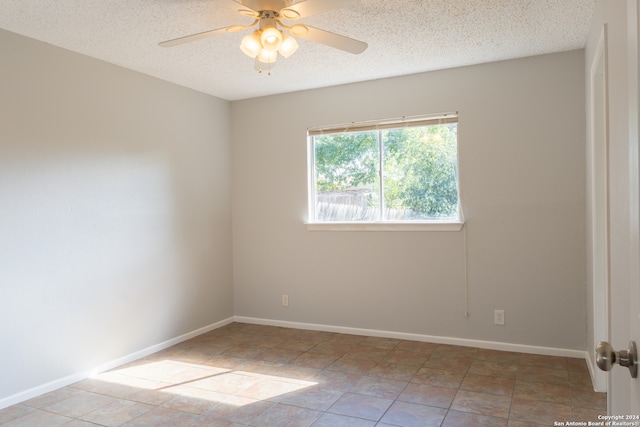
[(420, 173), (347, 178)]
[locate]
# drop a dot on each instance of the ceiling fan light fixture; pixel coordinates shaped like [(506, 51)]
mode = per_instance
[(271, 39), (288, 47), (267, 57), (251, 44)]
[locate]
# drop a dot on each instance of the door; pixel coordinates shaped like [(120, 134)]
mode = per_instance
[(634, 192), (624, 219), (624, 309)]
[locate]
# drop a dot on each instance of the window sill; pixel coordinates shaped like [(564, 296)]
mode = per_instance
[(385, 226)]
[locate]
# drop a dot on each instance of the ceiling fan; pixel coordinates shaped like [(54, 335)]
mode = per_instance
[(268, 39)]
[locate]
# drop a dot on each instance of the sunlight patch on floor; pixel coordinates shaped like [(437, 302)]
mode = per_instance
[(202, 382)]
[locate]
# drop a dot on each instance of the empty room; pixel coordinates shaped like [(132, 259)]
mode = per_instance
[(319, 213)]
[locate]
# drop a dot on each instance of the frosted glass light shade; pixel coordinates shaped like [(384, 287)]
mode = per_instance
[(267, 57), (251, 45), (288, 47), (271, 39)]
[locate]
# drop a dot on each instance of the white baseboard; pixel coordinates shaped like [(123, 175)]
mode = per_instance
[(598, 377), (491, 345), (79, 376)]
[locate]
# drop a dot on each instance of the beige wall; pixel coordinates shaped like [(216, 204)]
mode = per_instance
[(115, 213), (522, 181)]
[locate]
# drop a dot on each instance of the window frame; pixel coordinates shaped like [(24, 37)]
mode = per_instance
[(382, 225)]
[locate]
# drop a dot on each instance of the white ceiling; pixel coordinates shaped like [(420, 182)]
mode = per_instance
[(404, 37)]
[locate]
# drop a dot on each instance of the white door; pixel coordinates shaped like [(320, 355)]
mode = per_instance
[(624, 221), (624, 310), (634, 151)]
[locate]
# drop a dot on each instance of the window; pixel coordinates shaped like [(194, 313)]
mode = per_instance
[(391, 172)]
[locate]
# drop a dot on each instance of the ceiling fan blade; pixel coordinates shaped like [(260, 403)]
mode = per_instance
[(314, 7), (197, 36), (247, 10), (330, 39)]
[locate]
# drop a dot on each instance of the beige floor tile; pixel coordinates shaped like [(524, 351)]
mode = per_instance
[(541, 361), (426, 348), (279, 355), (406, 357), (379, 387), (342, 381), (539, 412), (314, 360), (447, 350), (393, 371), (164, 417), (534, 374), (13, 412), (352, 366), (579, 365), (367, 352), (286, 416), (348, 338), (588, 414), (423, 394), (580, 379), (271, 389), (193, 400), (380, 342), (517, 423), (331, 349), (117, 413), (544, 392), (230, 383), (298, 344), (298, 372), (413, 415), (463, 419), (481, 404), (316, 397), (335, 420), (488, 384), (360, 406), (494, 368), (51, 398), (507, 357), (80, 404), (587, 398), (459, 364), (438, 377), (38, 418), (240, 411)]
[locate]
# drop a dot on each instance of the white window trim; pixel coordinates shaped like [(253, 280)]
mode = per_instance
[(431, 226), (385, 226)]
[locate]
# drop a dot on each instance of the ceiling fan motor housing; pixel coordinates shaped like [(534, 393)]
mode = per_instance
[(261, 5)]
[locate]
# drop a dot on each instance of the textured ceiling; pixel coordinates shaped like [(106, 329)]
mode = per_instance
[(404, 37)]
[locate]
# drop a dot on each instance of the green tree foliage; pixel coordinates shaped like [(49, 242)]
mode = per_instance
[(345, 161), (419, 167), (420, 170)]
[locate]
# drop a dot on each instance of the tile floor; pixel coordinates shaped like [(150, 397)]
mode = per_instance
[(263, 376)]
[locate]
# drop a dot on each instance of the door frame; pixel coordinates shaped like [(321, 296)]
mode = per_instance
[(599, 205)]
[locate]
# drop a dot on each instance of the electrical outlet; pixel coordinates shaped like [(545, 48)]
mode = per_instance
[(285, 300), (498, 317)]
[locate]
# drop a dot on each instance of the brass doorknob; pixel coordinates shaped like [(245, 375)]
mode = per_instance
[(606, 357)]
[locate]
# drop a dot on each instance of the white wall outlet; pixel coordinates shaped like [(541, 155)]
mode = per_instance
[(285, 300), (498, 317)]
